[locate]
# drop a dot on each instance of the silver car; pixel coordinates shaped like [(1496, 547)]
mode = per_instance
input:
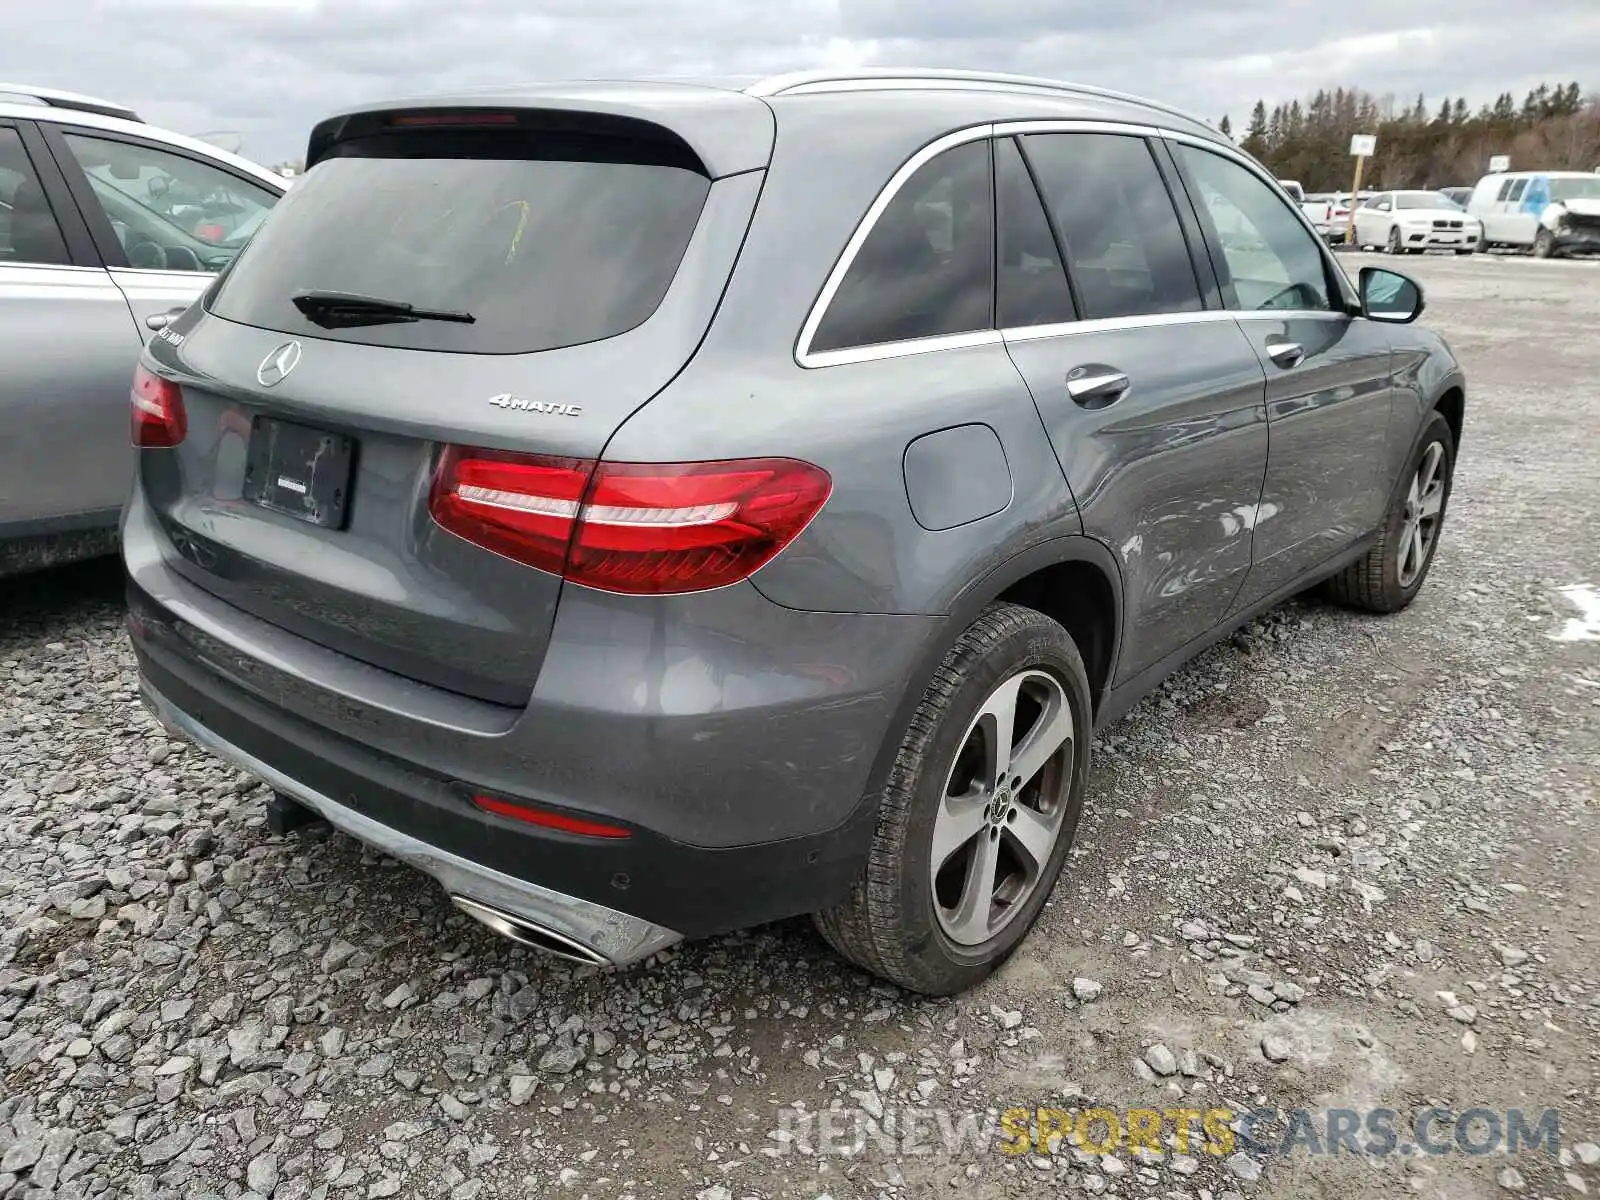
[(108, 227), (655, 509)]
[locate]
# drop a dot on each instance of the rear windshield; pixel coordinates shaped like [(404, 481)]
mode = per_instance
[(546, 240)]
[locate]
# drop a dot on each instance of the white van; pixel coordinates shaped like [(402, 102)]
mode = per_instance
[(1548, 212)]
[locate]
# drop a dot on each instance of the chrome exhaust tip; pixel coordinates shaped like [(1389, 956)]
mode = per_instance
[(528, 933)]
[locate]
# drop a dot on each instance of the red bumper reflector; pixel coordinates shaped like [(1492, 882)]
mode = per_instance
[(549, 820)]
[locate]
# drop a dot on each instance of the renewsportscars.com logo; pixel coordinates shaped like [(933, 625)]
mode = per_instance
[(914, 1130)]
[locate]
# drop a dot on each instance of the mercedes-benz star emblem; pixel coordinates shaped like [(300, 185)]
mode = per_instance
[(278, 364)]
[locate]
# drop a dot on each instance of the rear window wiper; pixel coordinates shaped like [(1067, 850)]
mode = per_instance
[(345, 310)]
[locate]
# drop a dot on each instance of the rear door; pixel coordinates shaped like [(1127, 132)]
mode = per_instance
[(67, 346), (567, 275), (1152, 400), (165, 220), (1329, 387)]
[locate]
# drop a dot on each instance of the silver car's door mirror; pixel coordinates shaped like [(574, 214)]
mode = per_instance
[(1390, 296)]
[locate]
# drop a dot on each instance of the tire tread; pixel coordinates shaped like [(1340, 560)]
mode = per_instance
[(868, 927)]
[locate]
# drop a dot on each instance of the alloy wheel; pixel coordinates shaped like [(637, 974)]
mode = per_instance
[(1004, 803), (1423, 512)]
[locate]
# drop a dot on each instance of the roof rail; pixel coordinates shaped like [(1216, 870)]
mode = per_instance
[(26, 93), (824, 80)]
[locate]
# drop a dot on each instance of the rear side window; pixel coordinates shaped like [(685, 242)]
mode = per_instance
[(546, 239), (1517, 189), (1031, 281), (926, 268), (1125, 248), (28, 230), (1505, 190)]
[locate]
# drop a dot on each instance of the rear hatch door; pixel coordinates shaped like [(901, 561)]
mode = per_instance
[(562, 267)]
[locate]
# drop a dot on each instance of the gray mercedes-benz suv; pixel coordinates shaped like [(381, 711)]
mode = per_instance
[(654, 508)]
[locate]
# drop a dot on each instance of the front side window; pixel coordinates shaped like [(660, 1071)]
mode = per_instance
[(28, 229), (1273, 260), (170, 212), (1125, 247), (926, 269), (1576, 188)]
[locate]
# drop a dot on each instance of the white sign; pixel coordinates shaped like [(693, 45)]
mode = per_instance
[(1364, 145), (1498, 163)]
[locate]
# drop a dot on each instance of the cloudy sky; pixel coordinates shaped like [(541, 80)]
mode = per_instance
[(269, 68)]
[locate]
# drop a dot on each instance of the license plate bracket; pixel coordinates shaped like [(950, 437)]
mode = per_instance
[(299, 471)]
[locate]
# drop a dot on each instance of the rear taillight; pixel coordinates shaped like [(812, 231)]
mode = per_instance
[(643, 528), (158, 419)]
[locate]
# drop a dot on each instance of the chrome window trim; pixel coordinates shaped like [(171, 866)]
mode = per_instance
[(804, 355), (901, 349), (16, 265), (1035, 333), (808, 358), (1289, 314)]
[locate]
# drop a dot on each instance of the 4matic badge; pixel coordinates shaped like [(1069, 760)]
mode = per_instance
[(507, 400)]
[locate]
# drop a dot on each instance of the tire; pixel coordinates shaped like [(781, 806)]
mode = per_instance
[(1392, 246), (896, 923), (1544, 244), (1380, 582), (1459, 253)]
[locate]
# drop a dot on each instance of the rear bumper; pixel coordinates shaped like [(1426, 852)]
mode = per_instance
[(606, 935), (740, 743)]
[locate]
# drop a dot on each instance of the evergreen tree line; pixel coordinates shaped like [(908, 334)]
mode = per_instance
[(1556, 127)]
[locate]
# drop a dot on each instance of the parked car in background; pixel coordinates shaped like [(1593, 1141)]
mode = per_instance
[(1412, 222), (108, 226), (1318, 210), (518, 501), (1457, 195), (1545, 212)]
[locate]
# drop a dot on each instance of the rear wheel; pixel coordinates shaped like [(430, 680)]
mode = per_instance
[(979, 812), (1388, 578)]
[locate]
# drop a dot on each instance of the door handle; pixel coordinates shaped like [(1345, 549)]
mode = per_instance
[(1096, 386), (159, 321), (1286, 354)]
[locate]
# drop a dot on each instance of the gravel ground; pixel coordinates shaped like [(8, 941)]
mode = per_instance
[(1340, 861)]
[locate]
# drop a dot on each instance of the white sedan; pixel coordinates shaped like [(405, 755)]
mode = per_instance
[(1411, 222)]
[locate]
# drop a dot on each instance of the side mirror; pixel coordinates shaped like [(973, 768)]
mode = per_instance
[(1390, 296)]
